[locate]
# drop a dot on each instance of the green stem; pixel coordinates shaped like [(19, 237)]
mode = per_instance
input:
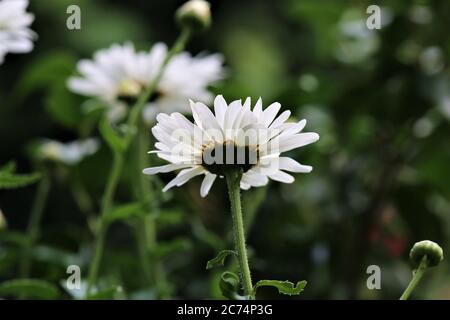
[(102, 226), (417, 275), (146, 225), (140, 231), (34, 224), (233, 183), (118, 161)]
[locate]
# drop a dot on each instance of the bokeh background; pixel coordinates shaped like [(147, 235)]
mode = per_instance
[(380, 99)]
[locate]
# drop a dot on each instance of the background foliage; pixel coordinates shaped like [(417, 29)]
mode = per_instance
[(379, 99)]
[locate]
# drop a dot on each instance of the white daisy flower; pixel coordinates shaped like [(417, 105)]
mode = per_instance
[(233, 137), (70, 153), (119, 74), (15, 36)]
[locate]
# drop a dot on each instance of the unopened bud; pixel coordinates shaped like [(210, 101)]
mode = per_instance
[(194, 14), (427, 248), (3, 223)]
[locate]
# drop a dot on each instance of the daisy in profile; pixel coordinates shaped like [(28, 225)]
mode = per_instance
[(118, 75), (235, 138), (15, 34)]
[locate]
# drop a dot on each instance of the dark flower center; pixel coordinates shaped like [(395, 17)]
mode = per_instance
[(221, 158)]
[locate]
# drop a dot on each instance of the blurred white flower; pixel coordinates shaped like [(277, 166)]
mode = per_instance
[(120, 73), (15, 36), (355, 42), (431, 60), (420, 14), (233, 137), (69, 153)]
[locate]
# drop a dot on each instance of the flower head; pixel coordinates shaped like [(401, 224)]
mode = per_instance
[(234, 137), (15, 36), (118, 75)]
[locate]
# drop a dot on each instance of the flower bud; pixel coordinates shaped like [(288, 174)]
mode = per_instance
[(3, 224), (427, 248), (195, 15)]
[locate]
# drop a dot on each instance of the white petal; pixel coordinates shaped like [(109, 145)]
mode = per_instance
[(293, 128), (297, 141), (282, 177), (165, 168), (220, 108), (244, 186), (270, 113), (254, 179), (207, 184), (290, 164), (184, 176), (230, 116), (280, 119), (257, 110), (204, 117)]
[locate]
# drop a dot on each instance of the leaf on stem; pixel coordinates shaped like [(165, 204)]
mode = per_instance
[(284, 287), (125, 212), (29, 288), (9, 180), (115, 141), (165, 248), (229, 285), (10, 167), (219, 260)]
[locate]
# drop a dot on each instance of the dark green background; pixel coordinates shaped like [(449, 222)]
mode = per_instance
[(380, 101)]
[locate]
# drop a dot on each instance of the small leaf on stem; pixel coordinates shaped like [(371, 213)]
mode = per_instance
[(284, 287), (115, 141), (219, 260), (229, 285)]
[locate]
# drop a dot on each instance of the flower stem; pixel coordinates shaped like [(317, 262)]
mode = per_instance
[(417, 275), (233, 183), (34, 224), (146, 226), (118, 160), (100, 235)]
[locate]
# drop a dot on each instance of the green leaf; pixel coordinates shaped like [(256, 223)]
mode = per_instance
[(229, 285), (165, 248), (29, 288), (219, 260), (47, 70), (125, 212), (11, 181), (114, 140), (107, 294), (170, 217), (10, 167), (63, 106), (284, 287)]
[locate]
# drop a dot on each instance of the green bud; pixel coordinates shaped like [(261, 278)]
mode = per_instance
[(427, 248), (195, 15)]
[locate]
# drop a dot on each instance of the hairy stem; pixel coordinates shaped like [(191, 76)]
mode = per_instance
[(233, 183), (415, 279)]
